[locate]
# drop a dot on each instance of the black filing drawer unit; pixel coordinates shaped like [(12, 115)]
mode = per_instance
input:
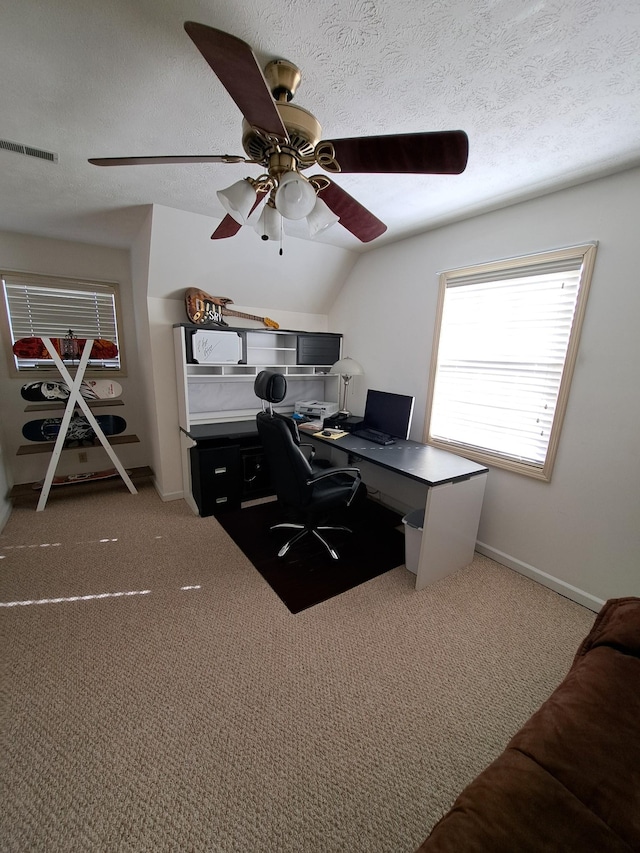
[(225, 472), (216, 479)]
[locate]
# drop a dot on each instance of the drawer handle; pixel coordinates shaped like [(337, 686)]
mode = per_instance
[(221, 500), (219, 470)]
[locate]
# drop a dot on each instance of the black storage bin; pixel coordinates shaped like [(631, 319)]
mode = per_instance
[(322, 348)]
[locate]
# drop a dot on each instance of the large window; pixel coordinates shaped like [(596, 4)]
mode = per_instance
[(504, 350), (38, 306)]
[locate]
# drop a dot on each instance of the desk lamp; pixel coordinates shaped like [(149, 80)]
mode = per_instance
[(347, 368)]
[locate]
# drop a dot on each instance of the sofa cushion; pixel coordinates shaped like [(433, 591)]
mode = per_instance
[(515, 806), (570, 778), (587, 736)]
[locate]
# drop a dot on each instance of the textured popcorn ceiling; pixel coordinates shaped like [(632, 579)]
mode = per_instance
[(547, 90)]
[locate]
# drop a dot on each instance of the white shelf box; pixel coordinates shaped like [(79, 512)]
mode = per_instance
[(267, 355)]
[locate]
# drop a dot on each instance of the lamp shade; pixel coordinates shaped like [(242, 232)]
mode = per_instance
[(347, 367), (269, 225), (238, 200), (321, 218), (295, 197)]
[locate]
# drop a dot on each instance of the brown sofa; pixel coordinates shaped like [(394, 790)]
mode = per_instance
[(569, 780)]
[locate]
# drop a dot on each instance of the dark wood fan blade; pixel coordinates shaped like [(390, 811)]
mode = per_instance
[(353, 216), (439, 153), (234, 63), (145, 161), (229, 227)]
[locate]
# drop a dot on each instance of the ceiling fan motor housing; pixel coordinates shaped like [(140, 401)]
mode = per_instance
[(304, 130), (283, 78)]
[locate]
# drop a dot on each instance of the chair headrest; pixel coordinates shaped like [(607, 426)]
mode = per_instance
[(270, 386)]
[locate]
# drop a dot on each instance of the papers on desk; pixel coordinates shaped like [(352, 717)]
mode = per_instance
[(310, 426), (335, 433)]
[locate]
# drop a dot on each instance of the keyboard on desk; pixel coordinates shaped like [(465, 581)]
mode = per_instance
[(374, 435)]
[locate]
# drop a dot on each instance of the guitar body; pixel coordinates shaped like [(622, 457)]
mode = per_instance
[(205, 309), (67, 348), (202, 308)]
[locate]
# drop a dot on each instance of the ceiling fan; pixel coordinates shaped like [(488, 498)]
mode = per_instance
[(286, 140)]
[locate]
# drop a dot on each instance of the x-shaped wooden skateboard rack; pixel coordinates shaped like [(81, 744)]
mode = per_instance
[(76, 400)]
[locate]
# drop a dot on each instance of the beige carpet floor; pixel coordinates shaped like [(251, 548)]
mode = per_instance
[(158, 696)]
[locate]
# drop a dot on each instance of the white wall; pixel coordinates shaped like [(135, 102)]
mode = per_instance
[(57, 257), (580, 533)]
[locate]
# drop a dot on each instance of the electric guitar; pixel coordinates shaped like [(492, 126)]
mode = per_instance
[(202, 308)]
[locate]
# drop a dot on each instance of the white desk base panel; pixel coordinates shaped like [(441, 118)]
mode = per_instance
[(451, 519)]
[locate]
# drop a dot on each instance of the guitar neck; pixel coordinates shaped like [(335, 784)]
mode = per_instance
[(231, 313)]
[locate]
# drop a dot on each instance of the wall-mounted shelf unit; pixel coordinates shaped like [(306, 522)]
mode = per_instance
[(61, 404), (26, 494), (49, 446), (220, 391)]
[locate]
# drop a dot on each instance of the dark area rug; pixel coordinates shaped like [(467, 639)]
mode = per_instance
[(307, 575)]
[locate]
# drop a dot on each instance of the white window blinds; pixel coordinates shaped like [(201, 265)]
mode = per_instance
[(38, 306), (505, 354)]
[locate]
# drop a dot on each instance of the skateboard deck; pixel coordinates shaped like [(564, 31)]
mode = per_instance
[(91, 389), (89, 476), (67, 348), (80, 430)]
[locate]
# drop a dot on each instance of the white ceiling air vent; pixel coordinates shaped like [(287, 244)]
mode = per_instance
[(28, 150)]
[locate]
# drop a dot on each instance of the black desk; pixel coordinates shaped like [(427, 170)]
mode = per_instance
[(454, 497), (412, 459)]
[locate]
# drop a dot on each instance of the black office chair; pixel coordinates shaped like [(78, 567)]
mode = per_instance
[(273, 390), (309, 495)]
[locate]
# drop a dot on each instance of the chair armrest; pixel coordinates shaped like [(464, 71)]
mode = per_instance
[(331, 472), (312, 449)]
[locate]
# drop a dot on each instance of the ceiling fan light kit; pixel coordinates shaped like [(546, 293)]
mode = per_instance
[(284, 139), (295, 197), (238, 200), (269, 225), (321, 218)]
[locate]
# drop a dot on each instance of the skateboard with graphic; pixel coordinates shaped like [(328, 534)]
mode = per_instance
[(80, 430), (90, 389), (87, 477), (67, 348)]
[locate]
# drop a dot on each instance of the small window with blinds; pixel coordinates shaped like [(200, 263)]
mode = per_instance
[(39, 306), (503, 356)]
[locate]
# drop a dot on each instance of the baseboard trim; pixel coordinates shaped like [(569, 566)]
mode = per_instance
[(557, 585), (4, 516), (168, 496)]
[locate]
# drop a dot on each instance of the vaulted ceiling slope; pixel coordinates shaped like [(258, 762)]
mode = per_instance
[(548, 92)]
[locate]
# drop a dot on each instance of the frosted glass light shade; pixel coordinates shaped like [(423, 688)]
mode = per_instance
[(238, 200), (321, 218), (269, 225), (347, 367), (295, 197)]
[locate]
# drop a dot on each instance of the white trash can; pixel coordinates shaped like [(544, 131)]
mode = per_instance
[(413, 524)]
